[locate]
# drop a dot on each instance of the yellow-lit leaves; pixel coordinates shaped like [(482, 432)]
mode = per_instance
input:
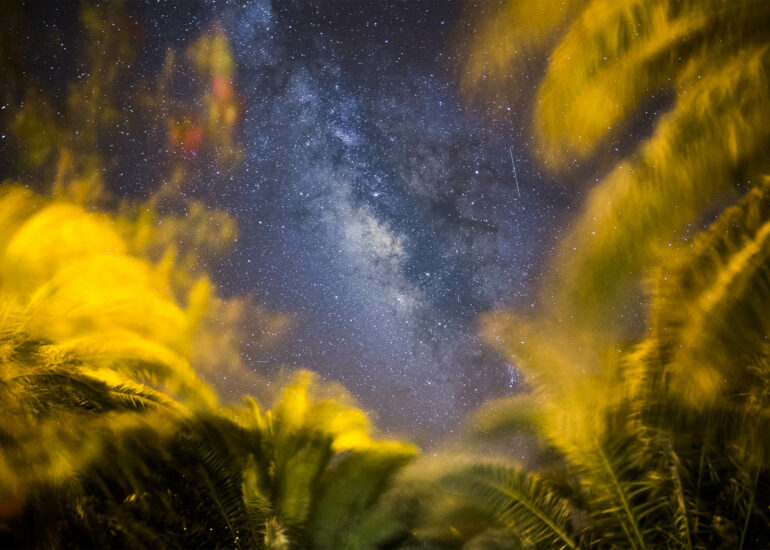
[(79, 179), (613, 56), (573, 375), (182, 243), (712, 58), (299, 409), (708, 316), (699, 150), (55, 236), (211, 55), (321, 470), (68, 273), (508, 35)]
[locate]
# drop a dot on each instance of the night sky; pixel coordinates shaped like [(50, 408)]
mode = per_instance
[(375, 204)]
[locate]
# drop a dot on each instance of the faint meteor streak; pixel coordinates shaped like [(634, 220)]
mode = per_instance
[(513, 165)]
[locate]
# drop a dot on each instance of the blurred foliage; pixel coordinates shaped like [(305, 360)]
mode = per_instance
[(93, 464), (654, 438), (64, 147), (110, 325), (66, 278), (113, 440), (604, 63), (665, 444)]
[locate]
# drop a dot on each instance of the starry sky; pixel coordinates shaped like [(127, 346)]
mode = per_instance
[(375, 204)]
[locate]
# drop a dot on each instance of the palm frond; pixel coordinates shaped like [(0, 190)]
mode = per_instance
[(517, 500), (347, 511), (626, 50), (708, 313), (257, 505), (621, 494), (56, 389), (683, 517)]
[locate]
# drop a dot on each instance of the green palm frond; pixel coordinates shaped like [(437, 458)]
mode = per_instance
[(219, 475), (622, 494), (275, 536), (257, 506), (296, 478), (520, 501), (347, 512)]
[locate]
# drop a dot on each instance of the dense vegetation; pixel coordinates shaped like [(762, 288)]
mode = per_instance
[(648, 370)]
